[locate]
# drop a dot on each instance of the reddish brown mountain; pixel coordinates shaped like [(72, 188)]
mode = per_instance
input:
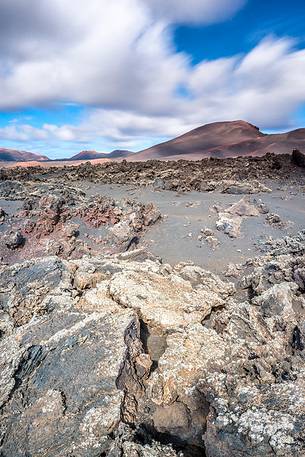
[(12, 155), (224, 139), (92, 155)]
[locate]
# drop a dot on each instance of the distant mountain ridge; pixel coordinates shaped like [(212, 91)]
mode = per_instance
[(12, 155), (222, 140), (92, 155)]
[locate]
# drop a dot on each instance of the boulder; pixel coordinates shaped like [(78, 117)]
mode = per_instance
[(14, 240), (298, 158)]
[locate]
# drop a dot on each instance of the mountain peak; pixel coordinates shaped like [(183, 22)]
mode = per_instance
[(223, 139)]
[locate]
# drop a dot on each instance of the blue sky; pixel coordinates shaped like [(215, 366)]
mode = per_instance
[(256, 20), (126, 74)]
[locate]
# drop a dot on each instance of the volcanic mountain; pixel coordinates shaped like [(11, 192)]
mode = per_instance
[(12, 155), (224, 139), (91, 155)]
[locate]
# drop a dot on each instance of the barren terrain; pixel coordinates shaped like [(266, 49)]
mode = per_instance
[(153, 309)]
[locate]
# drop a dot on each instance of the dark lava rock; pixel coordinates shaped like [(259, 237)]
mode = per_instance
[(2, 215), (298, 158)]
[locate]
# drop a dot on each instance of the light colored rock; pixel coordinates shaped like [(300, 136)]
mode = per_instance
[(250, 187), (167, 301), (243, 208), (230, 219), (229, 224)]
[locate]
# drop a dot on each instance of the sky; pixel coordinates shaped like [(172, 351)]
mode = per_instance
[(126, 74)]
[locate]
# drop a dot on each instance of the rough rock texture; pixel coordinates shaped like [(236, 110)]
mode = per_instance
[(126, 356), (59, 364), (61, 220), (238, 175)]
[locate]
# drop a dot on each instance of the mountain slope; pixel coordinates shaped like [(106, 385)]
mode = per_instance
[(12, 155), (223, 139)]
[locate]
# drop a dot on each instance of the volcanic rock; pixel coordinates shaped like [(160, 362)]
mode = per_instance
[(230, 219), (91, 345), (235, 175), (298, 158), (2, 215), (245, 188), (54, 220), (14, 240)]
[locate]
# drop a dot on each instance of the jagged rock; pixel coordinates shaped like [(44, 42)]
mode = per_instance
[(245, 188), (151, 215), (230, 219), (73, 355), (207, 232), (262, 207), (110, 355), (121, 355), (233, 271), (10, 189), (229, 224), (298, 158), (25, 288), (159, 184), (243, 208), (170, 300), (208, 236), (126, 445), (179, 175), (122, 231), (212, 241), (53, 219), (286, 245), (65, 368), (274, 219)]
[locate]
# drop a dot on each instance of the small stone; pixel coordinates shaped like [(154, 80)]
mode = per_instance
[(15, 240)]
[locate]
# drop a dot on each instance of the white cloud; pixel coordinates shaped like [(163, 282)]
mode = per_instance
[(109, 53), (113, 54), (265, 86), (117, 58)]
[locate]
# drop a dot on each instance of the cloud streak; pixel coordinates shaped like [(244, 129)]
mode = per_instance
[(194, 11)]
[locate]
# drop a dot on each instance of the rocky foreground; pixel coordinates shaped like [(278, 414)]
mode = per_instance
[(126, 356), (106, 350)]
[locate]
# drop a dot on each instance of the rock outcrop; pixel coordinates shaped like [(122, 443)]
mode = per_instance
[(48, 220), (230, 219)]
